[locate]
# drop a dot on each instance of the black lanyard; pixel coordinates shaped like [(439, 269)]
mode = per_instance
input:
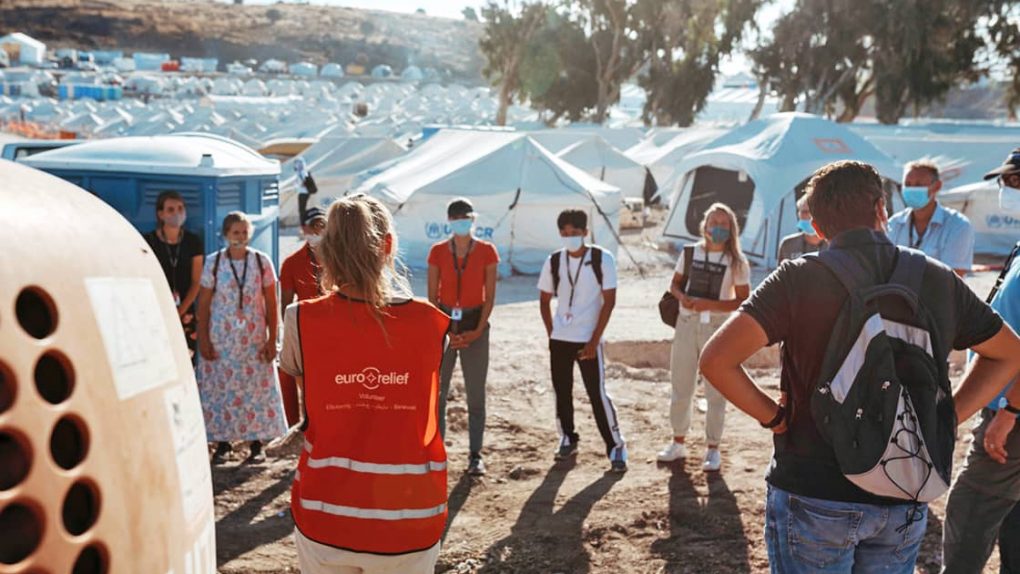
[(572, 279), (457, 267), (722, 255), (240, 280), (920, 236), (316, 269), (173, 257)]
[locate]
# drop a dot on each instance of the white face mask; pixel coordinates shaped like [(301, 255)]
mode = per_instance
[(314, 240), (572, 244), (1009, 199)]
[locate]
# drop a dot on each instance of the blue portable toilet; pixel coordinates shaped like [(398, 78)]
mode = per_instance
[(214, 174)]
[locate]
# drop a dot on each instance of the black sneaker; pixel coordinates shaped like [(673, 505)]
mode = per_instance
[(222, 450), (476, 466), (567, 449)]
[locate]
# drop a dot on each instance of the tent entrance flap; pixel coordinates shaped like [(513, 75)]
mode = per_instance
[(714, 185)]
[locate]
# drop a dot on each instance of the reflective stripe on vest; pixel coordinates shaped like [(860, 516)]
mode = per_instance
[(372, 467), (373, 513)]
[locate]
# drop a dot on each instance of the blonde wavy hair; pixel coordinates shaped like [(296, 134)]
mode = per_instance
[(354, 252), (732, 245)]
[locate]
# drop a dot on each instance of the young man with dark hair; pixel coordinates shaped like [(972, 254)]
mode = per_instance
[(819, 517), (942, 233), (984, 504), (462, 283), (583, 279)]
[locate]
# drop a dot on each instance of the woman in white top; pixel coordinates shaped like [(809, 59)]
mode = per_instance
[(709, 286)]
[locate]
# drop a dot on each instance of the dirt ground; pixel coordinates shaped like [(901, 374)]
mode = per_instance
[(530, 514)]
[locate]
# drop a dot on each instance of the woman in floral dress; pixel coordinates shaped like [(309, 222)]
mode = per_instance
[(238, 318)]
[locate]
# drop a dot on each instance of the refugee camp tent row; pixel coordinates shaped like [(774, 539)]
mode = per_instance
[(593, 154), (334, 162), (760, 170), (213, 174), (517, 186)]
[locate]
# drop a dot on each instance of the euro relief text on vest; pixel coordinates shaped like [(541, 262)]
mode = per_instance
[(371, 378)]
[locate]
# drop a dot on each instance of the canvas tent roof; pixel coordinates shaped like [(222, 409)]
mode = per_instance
[(333, 162), (663, 159), (518, 188), (180, 154), (757, 168), (604, 162)]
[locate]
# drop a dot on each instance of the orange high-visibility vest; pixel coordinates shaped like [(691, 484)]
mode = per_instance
[(372, 477)]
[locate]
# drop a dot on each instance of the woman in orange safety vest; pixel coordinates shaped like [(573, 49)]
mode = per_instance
[(370, 490)]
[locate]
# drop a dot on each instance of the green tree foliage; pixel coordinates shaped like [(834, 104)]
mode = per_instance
[(558, 71), (1004, 32), (509, 30), (470, 14), (683, 42), (830, 56)]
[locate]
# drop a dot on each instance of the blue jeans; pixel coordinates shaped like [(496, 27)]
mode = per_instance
[(811, 535)]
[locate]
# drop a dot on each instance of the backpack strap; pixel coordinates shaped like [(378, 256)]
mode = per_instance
[(1002, 274), (216, 271), (844, 266), (554, 266), (909, 270), (688, 259), (596, 262)]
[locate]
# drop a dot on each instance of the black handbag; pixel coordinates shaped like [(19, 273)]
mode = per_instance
[(669, 307)]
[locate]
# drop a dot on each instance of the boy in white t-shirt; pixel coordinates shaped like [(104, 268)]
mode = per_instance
[(583, 279)]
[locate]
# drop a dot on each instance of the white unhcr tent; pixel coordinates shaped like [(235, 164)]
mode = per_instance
[(604, 162), (518, 188), (995, 230), (333, 162), (663, 157), (760, 170)]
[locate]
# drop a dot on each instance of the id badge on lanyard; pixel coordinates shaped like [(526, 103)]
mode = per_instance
[(456, 313)]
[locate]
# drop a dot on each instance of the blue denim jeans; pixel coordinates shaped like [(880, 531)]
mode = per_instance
[(811, 535)]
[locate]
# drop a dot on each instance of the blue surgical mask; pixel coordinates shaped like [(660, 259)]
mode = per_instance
[(1009, 199), (461, 226), (915, 197), (805, 226), (175, 220), (314, 240), (719, 234), (572, 244)]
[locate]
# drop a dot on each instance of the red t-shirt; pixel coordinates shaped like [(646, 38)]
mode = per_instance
[(472, 288), (300, 274)]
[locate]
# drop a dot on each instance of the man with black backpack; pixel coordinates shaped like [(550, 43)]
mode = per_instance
[(984, 504), (865, 436), (583, 278)]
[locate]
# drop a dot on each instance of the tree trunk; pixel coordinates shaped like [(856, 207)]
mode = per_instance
[(760, 104), (504, 102)]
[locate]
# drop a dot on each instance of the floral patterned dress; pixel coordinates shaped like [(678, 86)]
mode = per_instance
[(240, 394)]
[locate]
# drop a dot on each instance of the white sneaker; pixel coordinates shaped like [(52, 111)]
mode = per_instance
[(713, 461), (675, 451)]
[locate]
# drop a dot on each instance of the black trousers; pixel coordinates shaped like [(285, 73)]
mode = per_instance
[(562, 357), (302, 200)]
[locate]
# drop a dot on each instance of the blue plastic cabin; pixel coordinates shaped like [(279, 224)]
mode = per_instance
[(215, 175)]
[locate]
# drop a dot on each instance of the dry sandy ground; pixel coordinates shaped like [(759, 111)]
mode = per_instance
[(531, 515)]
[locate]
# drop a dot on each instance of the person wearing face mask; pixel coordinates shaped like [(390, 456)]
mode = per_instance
[(940, 232), (179, 253), (583, 279), (712, 278), (984, 503), (806, 240), (301, 277), (237, 328), (462, 283)]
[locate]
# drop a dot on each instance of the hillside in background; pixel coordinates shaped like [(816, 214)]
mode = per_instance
[(203, 28)]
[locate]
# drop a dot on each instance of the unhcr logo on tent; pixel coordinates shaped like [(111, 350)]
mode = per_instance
[(435, 230)]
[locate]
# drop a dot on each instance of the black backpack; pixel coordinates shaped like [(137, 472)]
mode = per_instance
[(596, 265), (883, 400)]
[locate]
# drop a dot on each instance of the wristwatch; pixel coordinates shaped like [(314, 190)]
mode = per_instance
[(1004, 405)]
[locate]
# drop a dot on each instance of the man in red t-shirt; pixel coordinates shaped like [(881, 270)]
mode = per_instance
[(462, 282), (300, 275)]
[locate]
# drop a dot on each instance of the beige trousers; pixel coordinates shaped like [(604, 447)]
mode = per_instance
[(315, 558), (690, 337)]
